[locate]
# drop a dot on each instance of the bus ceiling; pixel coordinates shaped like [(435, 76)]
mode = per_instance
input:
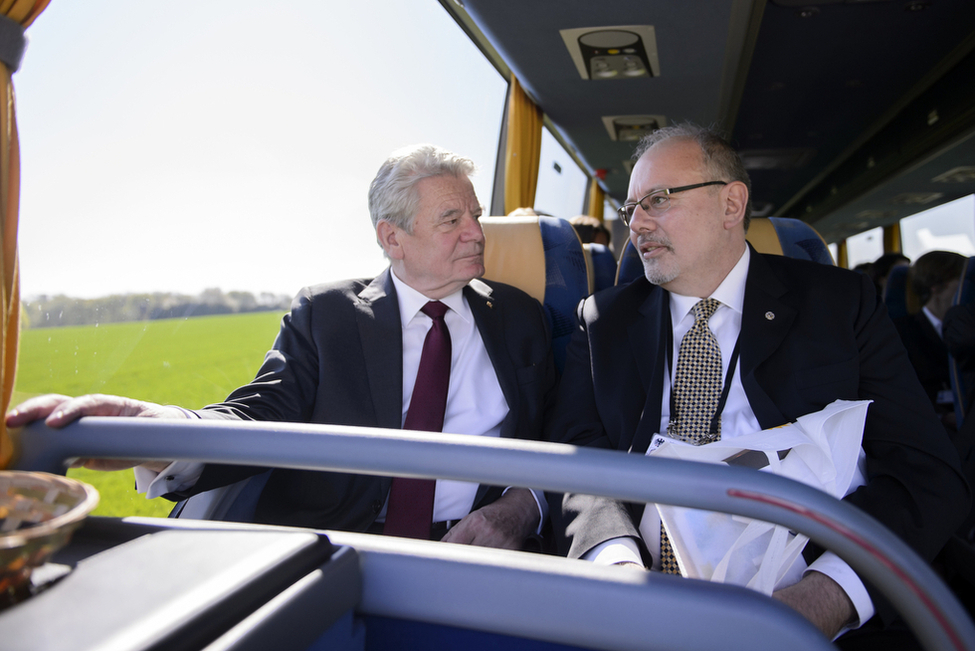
[(849, 114)]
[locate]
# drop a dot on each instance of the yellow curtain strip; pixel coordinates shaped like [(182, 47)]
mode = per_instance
[(8, 250), (23, 12), (892, 238), (523, 149), (597, 199), (842, 257)]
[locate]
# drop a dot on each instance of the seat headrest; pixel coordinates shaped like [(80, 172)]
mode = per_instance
[(514, 254), (761, 234)]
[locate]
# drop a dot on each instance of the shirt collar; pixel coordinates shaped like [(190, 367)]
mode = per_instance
[(933, 320), (731, 291), (411, 301)]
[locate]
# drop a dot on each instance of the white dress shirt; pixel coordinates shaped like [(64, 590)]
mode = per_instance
[(934, 321), (737, 418), (475, 402)]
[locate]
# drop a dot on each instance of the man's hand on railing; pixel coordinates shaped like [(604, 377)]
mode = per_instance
[(58, 411), (503, 524)]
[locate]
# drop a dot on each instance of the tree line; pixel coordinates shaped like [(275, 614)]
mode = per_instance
[(55, 311)]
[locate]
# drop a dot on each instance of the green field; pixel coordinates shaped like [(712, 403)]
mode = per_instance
[(187, 362)]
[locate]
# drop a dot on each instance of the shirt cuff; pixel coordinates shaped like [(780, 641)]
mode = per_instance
[(831, 565), (189, 413), (178, 476), (540, 502), (613, 551)]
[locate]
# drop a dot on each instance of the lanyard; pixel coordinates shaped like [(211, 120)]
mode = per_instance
[(712, 435)]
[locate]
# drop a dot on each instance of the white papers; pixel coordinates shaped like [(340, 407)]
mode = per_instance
[(823, 451)]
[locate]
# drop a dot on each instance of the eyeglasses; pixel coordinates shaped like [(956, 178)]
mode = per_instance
[(657, 202)]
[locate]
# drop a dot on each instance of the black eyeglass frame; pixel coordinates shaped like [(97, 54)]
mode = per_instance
[(621, 211)]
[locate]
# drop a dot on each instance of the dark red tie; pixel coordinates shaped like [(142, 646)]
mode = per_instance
[(410, 510)]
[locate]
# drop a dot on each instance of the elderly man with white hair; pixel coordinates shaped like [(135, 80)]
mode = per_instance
[(424, 346)]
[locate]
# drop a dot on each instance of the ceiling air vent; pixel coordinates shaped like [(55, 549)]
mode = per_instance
[(623, 52), (630, 128), (917, 198), (775, 159), (957, 175)]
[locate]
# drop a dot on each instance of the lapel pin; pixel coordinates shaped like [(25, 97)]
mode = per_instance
[(769, 315), (490, 304)]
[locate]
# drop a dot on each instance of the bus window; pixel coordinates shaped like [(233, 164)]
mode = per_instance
[(834, 250), (949, 227), (561, 184), (865, 247)]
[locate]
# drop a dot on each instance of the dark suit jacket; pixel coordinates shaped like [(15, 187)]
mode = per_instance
[(959, 332), (928, 355), (810, 334), (338, 359)]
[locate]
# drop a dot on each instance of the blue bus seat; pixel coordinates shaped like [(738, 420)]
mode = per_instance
[(543, 257), (234, 503), (790, 237), (786, 236), (630, 266), (603, 266), (895, 292)]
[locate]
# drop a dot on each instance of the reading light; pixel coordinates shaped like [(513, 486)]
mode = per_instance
[(623, 52), (630, 128)]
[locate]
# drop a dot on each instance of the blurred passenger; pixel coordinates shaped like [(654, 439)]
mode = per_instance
[(592, 233), (931, 282), (865, 268), (591, 230), (585, 227), (882, 267)]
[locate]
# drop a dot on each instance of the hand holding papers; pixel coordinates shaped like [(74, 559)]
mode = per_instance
[(820, 449)]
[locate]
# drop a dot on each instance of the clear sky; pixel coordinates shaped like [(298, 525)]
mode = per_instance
[(230, 145)]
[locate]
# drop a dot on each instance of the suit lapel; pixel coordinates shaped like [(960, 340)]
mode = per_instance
[(489, 316), (381, 335), (765, 322), (650, 337)]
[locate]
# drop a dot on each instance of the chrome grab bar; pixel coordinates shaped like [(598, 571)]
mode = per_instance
[(878, 556)]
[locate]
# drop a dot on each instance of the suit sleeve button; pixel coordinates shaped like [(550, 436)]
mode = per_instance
[(377, 506)]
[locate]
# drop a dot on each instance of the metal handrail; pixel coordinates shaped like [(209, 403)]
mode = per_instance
[(878, 556)]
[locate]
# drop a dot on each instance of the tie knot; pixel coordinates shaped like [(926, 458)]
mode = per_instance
[(434, 309), (705, 308)]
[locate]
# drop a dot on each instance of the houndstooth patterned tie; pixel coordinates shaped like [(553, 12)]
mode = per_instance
[(697, 390)]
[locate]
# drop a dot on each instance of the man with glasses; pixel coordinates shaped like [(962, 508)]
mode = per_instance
[(719, 341)]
